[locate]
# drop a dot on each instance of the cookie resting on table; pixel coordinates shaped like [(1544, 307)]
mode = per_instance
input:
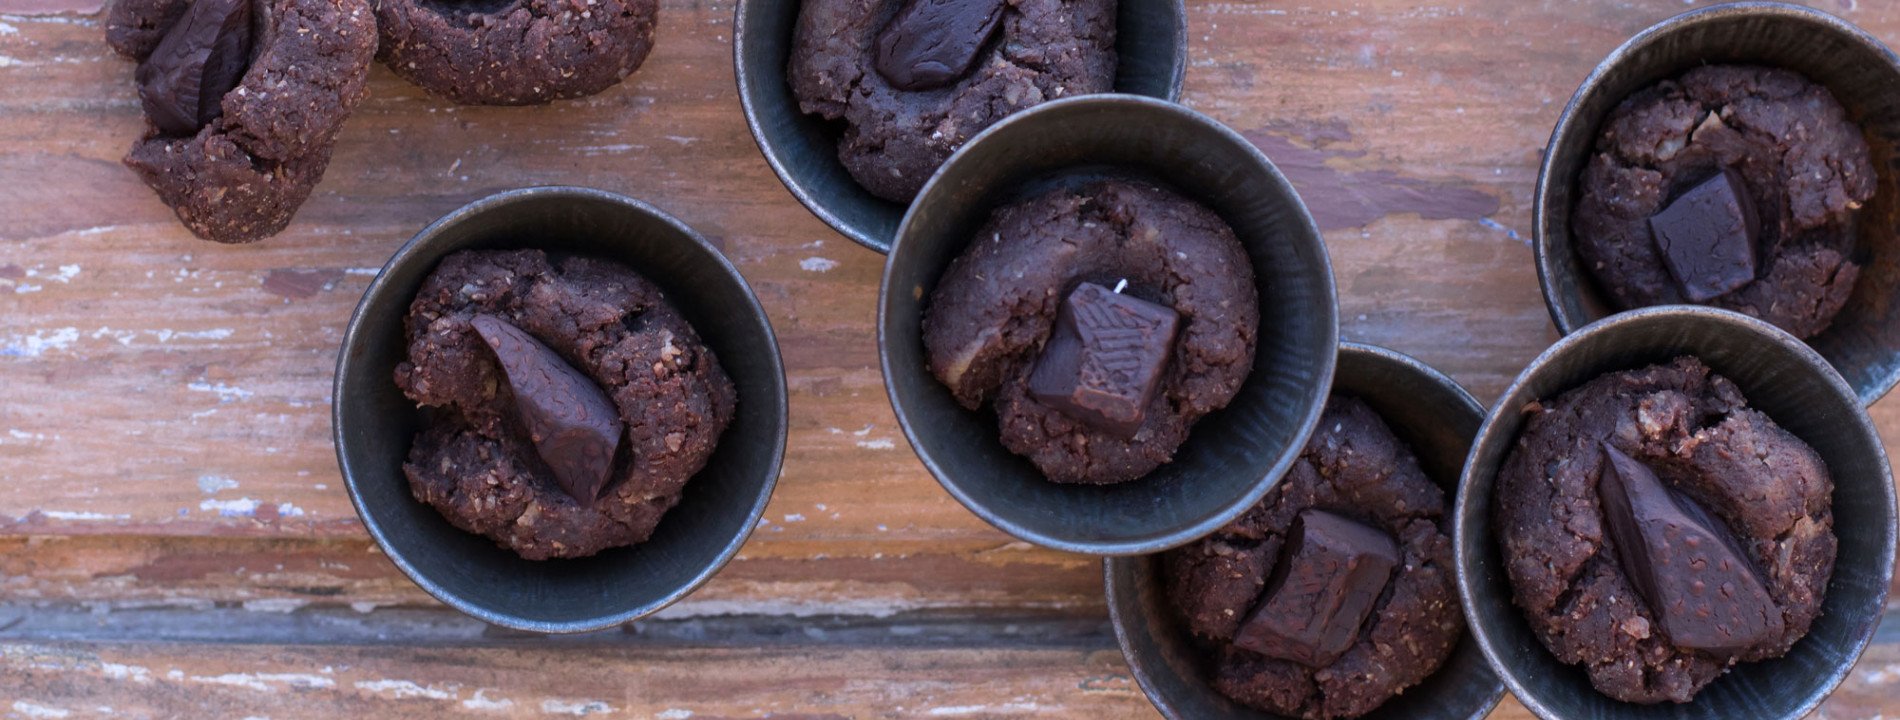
[(912, 80), (1334, 594), (243, 100), (566, 402), (1656, 530), (1093, 385), (1733, 186), (515, 52)]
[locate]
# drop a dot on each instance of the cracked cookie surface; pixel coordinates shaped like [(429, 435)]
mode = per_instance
[(515, 52), (1807, 168), (1695, 430), (1354, 466), (994, 307), (473, 460), (243, 176), (893, 140)]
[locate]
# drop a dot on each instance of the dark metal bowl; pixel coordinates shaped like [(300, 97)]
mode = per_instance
[(1864, 342), (1437, 419), (374, 423), (1151, 40), (1234, 456), (1783, 378)]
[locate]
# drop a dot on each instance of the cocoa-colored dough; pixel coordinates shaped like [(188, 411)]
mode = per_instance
[(515, 52), (473, 460)]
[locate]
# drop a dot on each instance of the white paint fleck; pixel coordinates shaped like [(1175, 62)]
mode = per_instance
[(262, 682), (23, 289), (275, 605), (134, 673), (674, 714), (34, 710), (404, 689), (682, 139), (481, 701), (289, 510), (957, 710), (362, 271), (575, 708), (211, 484), (6, 29), (817, 264), (1881, 675), (241, 507), (39, 342), (85, 516), (225, 393), (794, 517), (366, 607), (878, 444)]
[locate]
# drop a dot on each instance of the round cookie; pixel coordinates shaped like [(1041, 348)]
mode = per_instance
[(472, 460), (1694, 429), (894, 139), (242, 177), (515, 52), (1353, 466), (1805, 164), (994, 307)]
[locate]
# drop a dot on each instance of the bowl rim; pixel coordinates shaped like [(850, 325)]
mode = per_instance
[(816, 205), (1488, 434), (409, 252), (1154, 542), (1569, 121), (1119, 614)]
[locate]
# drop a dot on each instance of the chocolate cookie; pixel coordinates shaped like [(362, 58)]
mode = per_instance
[(1799, 166), (235, 149), (515, 52), (1744, 505), (1355, 474), (995, 309), (545, 380), (914, 79)]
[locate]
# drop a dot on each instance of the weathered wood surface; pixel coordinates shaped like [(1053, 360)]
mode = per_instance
[(174, 538)]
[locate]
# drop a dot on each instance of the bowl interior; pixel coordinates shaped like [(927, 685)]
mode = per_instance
[(1782, 378), (1233, 456), (1864, 342), (375, 422), (1437, 419), (1151, 42)]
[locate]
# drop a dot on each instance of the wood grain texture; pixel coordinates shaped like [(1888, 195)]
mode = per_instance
[(169, 489)]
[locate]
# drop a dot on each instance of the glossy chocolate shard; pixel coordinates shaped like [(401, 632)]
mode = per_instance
[(1702, 591), (1104, 359), (1330, 575), (183, 82), (574, 426), (1708, 237), (932, 43)]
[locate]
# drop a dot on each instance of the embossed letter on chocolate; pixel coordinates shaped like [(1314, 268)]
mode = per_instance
[(1707, 237), (1104, 358), (202, 57), (932, 43), (575, 428), (1703, 592), (1331, 572)]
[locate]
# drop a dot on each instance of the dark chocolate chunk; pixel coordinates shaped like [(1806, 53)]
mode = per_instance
[(1707, 237), (1701, 589), (575, 428), (1330, 575), (1103, 361), (932, 43), (182, 84)]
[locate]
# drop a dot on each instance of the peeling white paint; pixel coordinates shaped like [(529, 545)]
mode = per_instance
[(674, 714), (404, 689), (959, 710), (575, 708), (878, 444), (481, 701), (85, 516), (35, 710), (289, 510), (225, 393), (817, 264), (275, 605), (241, 507), (23, 289), (264, 682), (134, 673), (39, 342), (795, 517), (211, 484)]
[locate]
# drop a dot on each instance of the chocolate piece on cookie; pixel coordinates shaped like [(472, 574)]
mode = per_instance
[(573, 425), (1331, 575), (235, 162), (1104, 358), (1707, 237), (515, 52)]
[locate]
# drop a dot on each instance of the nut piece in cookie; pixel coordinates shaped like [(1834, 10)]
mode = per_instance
[(1103, 360), (1330, 575), (575, 428), (243, 100)]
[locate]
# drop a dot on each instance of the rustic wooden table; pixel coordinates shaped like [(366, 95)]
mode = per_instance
[(175, 540)]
